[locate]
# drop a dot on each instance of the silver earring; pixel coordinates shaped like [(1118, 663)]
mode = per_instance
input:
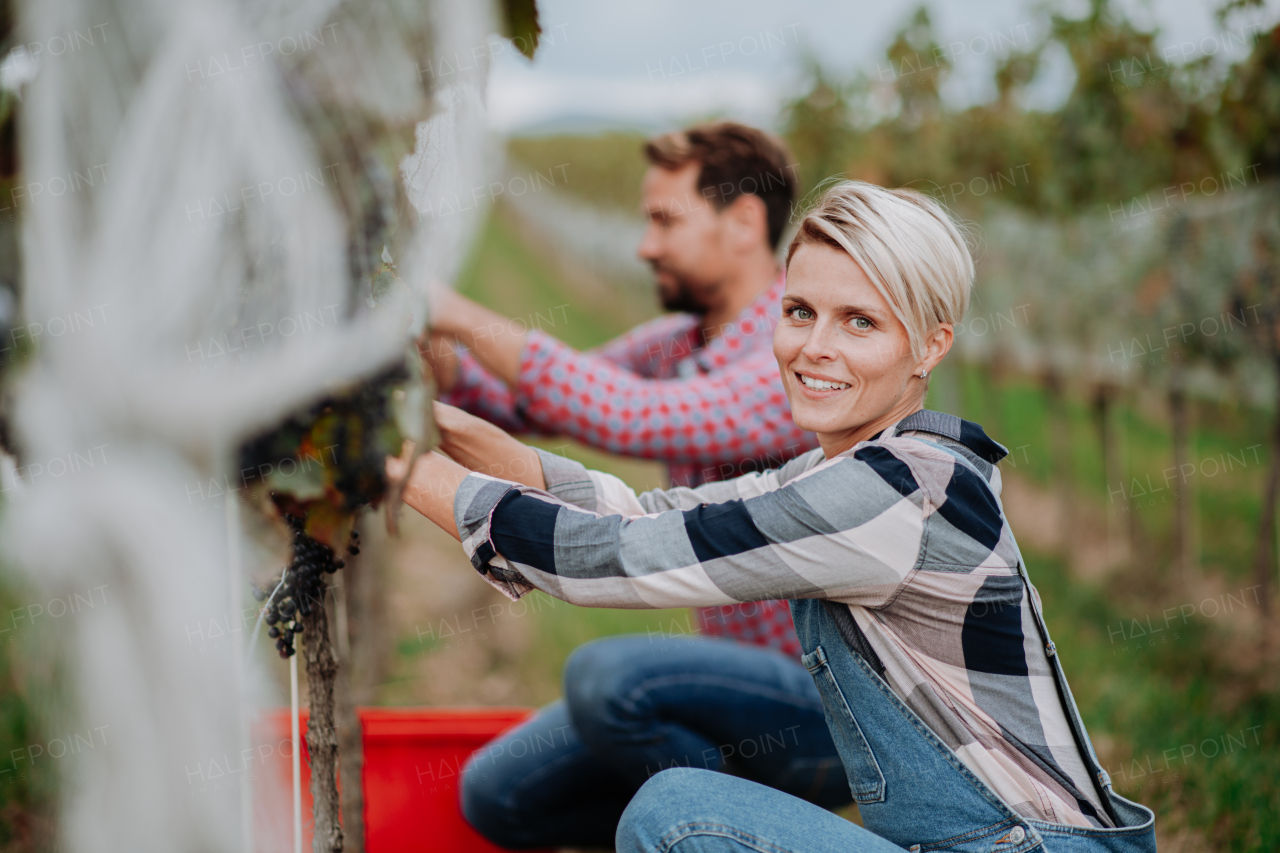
[(923, 374)]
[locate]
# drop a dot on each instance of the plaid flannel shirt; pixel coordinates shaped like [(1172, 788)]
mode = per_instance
[(905, 531), (709, 410)]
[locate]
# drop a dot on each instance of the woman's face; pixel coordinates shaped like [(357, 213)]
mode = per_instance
[(846, 360)]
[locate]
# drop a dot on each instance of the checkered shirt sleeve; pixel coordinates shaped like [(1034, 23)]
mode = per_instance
[(648, 349), (847, 529)]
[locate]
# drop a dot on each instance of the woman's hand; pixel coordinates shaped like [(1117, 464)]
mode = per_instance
[(432, 486), (475, 443), (481, 446)]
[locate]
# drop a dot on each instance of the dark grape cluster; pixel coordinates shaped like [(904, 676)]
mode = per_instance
[(349, 434), (303, 584)]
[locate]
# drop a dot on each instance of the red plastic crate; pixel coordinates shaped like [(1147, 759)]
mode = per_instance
[(412, 758)]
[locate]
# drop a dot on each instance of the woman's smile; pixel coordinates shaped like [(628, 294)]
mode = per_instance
[(819, 387)]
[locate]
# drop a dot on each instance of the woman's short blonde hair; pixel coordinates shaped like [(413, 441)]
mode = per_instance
[(908, 245)]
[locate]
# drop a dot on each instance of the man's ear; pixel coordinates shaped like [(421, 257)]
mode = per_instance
[(749, 219)]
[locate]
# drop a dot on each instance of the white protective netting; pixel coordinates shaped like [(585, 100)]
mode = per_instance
[(241, 143)]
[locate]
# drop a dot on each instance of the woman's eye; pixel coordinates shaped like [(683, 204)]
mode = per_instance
[(862, 324), (799, 313)]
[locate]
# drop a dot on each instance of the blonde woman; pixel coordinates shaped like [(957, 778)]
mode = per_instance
[(919, 624)]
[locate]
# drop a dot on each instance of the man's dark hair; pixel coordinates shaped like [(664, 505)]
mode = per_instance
[(735, 160)]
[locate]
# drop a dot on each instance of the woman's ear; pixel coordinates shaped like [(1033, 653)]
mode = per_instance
[(936, 347)]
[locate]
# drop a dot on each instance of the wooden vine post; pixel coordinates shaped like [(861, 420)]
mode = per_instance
[(322, 733)]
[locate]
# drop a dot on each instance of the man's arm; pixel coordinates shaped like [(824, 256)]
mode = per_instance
[(491, 337), (496, 345), (466, 382), (722, 418), (643, 348), (716, 419)]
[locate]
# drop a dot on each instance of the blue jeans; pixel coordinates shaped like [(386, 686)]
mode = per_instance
[(691, 811), (912, 791), (634, 706)]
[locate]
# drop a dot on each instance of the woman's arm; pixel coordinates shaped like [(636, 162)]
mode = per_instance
[(480, 446), (474, 445), (606, 494), (849, 530), (432, 486)]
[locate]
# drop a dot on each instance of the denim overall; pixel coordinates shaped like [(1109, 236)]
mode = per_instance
[(911, 789)]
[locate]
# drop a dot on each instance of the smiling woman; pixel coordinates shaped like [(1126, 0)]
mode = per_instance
[(851, 347), (911, 601)]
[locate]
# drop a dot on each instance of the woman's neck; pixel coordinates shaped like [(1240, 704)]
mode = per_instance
[(835, 443)]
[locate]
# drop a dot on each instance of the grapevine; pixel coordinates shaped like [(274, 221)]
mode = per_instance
[(314, 473)]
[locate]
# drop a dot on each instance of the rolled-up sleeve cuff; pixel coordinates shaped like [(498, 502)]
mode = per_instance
[(473, 507), (568, 480)]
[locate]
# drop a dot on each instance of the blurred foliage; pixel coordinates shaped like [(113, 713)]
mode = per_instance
[(1250, 107), (520, 24), (1134, 120), (28, 777), (605, 169), (336, 451)]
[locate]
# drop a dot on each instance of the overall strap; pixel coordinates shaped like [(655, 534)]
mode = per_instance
[(1068, 701)]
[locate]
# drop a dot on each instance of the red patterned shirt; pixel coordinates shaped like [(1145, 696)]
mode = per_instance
[(711, 411)]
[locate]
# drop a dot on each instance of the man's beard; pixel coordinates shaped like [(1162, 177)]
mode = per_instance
[(682, 296)]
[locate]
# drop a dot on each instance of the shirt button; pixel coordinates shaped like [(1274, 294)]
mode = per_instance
[(1017, 835)]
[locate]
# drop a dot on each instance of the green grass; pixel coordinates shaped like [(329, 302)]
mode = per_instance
[(1227, 449), (1178, 729), (506, 274), (604, 169), (27, 787)]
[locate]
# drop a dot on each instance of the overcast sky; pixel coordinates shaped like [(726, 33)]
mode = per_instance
[(661, 62)]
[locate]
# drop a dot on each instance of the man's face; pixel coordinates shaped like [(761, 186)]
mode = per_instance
[(684, 241)]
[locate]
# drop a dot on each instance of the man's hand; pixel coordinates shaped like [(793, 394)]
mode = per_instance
[(492, 338), (440, 352)]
